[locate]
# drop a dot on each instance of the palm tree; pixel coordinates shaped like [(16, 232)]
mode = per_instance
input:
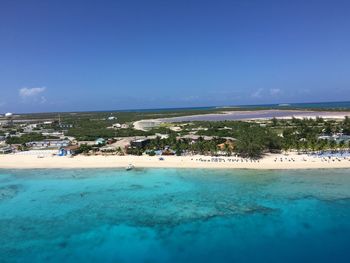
[(157, 142), (312, 145), (304, 146), (227, 149), (212, 148), (119, 150), (333, 145), (297, 146), (341, 146), (250, 144)]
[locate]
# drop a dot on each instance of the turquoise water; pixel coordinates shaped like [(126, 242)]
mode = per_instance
[(168, 215)]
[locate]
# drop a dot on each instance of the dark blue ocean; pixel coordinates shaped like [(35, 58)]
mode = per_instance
[(168, 215), (340, 105)]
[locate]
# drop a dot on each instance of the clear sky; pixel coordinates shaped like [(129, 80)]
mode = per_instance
[(102, 55)]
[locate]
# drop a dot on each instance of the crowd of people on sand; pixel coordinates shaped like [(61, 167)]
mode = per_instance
[(224, 160), (285, 159), (330, 158), (334, 159)]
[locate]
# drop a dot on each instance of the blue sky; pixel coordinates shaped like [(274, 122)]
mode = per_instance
[(99, 55)]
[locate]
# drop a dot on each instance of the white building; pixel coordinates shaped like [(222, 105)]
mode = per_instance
[(117, 126), (48, 144)]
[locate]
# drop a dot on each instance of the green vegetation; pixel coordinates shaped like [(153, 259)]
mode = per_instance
[(27, 138), (87, 132), (183, 145), (304, 134), (84, 148), (252, 139), (249, 139)]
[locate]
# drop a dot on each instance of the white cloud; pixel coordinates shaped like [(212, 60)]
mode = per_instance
[(274, 92), (33, 95), (31, 92), (257, 93)]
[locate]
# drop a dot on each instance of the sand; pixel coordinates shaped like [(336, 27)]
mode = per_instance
[(259, 115), (272, 161)]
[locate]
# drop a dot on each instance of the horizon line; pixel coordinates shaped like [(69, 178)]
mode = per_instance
[(288, 104)]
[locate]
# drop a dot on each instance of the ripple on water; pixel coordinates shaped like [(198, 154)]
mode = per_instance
[(166, 215)]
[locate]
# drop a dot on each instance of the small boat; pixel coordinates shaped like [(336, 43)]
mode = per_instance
[(129, 167)]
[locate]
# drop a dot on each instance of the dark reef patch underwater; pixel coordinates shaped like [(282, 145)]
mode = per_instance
[(169, 215)]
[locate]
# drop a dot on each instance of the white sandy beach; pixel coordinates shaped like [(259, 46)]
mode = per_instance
[(276, 161), (259, 115)]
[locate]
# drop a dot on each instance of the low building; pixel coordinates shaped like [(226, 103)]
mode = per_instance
[(53, 133), (48, 144), (196, 137), (335, 137), (100, 141), (176, 128), (343, 138), (325, 137), (65, 125), (30, 128), (140, 143), (108, 149), (116, 125), (5, 150), (111, 141), (226, 145), (161, 136), (147, 124), (69, 150), (168, 151)]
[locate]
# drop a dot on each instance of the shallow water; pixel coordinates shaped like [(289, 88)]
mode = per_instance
[(169, 215)]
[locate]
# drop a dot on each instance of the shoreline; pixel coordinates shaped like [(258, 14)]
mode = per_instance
[(269, 162)]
